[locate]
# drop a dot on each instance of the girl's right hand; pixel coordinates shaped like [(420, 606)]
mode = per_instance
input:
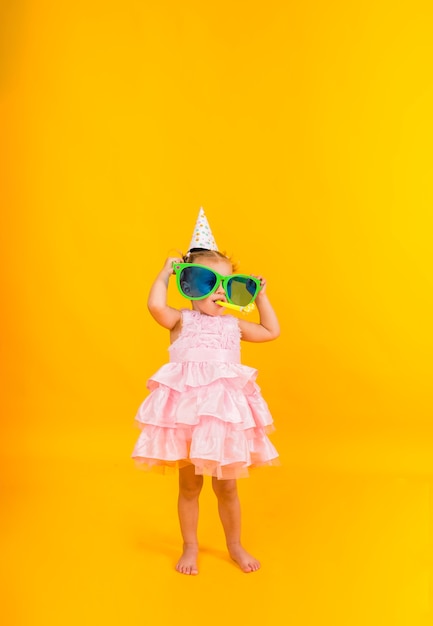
[(158, 306), (168, 265)]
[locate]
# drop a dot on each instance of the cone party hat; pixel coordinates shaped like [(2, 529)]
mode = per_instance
[(202, 236)]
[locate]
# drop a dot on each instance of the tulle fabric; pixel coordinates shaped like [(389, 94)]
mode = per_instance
[(206, 412)]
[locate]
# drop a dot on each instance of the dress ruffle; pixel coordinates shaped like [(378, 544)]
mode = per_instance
[(210, 414)]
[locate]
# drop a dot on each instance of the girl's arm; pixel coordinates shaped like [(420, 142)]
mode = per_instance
[(165, 315), (268, 327)]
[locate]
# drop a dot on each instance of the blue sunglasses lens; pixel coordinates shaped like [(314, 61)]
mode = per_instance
[(197, 282)]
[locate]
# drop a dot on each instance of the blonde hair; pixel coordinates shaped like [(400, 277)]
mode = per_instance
[(197, 253)]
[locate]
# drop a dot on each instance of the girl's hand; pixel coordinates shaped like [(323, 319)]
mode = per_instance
[(262, 285), (168, 265), (268, 327), (158, 306)]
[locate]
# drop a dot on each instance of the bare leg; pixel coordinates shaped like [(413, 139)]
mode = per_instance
[(229, 509), (189, 490)]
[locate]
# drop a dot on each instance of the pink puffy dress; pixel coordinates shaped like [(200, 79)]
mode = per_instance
[(204, 406)]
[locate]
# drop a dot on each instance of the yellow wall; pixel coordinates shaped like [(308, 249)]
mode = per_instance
[(305, 131)]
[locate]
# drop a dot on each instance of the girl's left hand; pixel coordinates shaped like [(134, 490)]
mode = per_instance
[(262, 285)]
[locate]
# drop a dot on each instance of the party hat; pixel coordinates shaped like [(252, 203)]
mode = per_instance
[(202, 236)]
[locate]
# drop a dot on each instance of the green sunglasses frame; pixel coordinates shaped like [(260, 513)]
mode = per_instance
[(178, 267)]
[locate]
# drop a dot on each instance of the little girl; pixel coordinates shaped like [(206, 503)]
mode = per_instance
[(205, 414)]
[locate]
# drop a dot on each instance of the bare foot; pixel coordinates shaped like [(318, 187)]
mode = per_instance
[(187, 563), (246, 562)]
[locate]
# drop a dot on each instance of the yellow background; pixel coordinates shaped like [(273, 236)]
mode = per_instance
[(305, 130)]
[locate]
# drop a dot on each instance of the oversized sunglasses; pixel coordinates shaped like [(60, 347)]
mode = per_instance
[(197, 282)]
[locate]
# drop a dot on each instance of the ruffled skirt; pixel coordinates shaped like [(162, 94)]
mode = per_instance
[(211, 415)]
